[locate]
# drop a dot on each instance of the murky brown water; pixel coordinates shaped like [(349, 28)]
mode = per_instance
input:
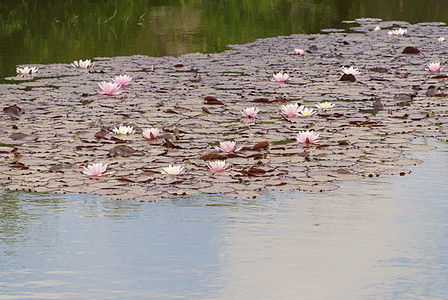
[(380, 238)]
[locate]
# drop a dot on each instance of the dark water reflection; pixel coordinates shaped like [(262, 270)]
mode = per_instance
[(43, 32), (382, 238)]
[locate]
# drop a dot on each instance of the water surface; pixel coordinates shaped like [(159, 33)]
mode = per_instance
[(380, 238), (43, 32)]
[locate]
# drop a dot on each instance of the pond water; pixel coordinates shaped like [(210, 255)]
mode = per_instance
[(43, 32), (379, 238)]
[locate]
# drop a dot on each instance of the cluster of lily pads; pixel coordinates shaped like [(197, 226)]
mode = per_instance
[(220, 123)]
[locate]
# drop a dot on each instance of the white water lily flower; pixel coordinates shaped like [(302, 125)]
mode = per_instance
[(398, 32), (307, 112), (350, 70), (324, 105), (173, 170), (27, 71), (124, 130)]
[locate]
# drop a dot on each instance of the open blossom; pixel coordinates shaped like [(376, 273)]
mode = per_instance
[(307, 137), (82, 64), (280, 77), (350, 70), (435, 66), (122, 80), (304, 112), (27, 71), (109, 88), (96, 170), (218, 166), (399, 32), (440, 40), (299, 51), (291, 110), (324, 105), (227, 147), (250, 112), (173, 170), (377, 28), (124, 130), (151, 134)]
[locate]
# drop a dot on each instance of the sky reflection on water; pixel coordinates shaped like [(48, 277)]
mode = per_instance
[(381, 238)]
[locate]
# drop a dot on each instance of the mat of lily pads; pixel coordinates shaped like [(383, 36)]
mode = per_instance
[(55, 123)]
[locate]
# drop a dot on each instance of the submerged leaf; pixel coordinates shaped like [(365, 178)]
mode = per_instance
[(124, 151)]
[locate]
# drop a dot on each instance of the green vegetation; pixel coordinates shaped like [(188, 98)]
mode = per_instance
[(36, 31)]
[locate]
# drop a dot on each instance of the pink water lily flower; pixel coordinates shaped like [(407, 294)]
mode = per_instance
[(280, 77), (435, 67), (250, 112), (299, 51), (151, 134), (307, 137), (218, 166), (377, 28), (291, 110), (96, 170), (83, 64), (27, 71), (109, 88), (122, 80), (305, 112), (227, 147), (173, 170)]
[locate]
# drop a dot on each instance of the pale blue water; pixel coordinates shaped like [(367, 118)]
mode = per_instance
[(380, 238)]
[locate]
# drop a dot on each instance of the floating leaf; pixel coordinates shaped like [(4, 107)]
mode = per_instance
[(212, 101), (260, 145), (59, 169), (253, 171), (170, 144), (18, 165), (262, 100), (8, 149), (212, 156), (22, 136), (205, 109), (171, 111), (13, 111), (348, 77), (410, 50)]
